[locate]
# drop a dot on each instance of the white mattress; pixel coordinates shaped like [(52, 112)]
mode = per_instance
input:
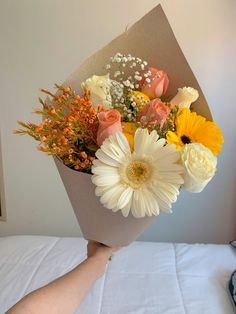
[(144, 278)]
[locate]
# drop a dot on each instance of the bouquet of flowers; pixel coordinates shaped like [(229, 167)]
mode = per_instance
[(140, 143)]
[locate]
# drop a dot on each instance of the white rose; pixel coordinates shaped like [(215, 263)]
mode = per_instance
[(185, 97), (200, 166), (99, 88)]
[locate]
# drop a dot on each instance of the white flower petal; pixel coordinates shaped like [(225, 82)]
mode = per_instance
[(145, 143), (111, 194), (163, 206), (122, 141), (168, 187), (107, 180), (112, 150), (176, 181), (159, 144), (125, 197), (150, 201), (142, 194), (98, 163), (164, 197), (155, 206), (100, 190), (136, 206), (140, 140), (155, 147), (171, 167), (144, 210), (153, 137), (170, 158), (126, 209), (166, 208), (104, 170), (112, 202), (106, 159), (165, 151), (173, 178)]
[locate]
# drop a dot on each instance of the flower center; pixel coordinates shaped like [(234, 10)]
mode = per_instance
[(185, 139), (137, 173)]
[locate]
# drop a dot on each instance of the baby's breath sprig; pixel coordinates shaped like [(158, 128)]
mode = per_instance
[(126, 75), (127, 70)]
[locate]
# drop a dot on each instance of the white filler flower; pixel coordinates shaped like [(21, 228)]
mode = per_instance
[(185, 97), (143, 182), (200, 166)]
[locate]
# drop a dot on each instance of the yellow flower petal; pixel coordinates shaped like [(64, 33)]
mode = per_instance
[(193, 128), (129, 129), (172, 138), (139, 98)]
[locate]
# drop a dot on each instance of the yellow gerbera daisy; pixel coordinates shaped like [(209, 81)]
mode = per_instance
[(193, 128)]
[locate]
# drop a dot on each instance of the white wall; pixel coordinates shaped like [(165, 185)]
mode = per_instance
[(43, 41)]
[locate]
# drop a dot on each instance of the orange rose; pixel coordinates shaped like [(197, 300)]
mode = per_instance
[(109, 124), (155, 85), (155, 112)]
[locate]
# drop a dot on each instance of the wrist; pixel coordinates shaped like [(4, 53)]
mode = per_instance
[(99, 263)]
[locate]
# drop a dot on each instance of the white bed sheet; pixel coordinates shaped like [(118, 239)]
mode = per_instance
[(144, 278)]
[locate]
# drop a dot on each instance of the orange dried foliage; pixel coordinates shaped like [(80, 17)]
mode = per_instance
[(69, 129)]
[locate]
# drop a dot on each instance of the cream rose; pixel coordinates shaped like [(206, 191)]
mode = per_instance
[(99, 88), (200, 166), (185, 97)]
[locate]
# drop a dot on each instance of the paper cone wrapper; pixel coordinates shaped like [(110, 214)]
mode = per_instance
[(97, 222), (150, 39)]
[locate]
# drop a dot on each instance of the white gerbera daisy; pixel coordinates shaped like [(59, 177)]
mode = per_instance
[(143, 182)]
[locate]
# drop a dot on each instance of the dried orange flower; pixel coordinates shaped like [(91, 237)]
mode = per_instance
[(69, 128)]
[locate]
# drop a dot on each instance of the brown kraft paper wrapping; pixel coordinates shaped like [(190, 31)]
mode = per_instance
[(151, 39)]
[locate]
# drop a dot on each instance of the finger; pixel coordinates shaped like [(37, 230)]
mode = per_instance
[(115, 249)]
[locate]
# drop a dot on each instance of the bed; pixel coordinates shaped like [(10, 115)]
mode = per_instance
[(143, 278)]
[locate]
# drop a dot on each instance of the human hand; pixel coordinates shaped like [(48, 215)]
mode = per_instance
[(100, 253)]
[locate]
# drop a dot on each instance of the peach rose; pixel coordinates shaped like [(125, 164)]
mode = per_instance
[(109, 124), (155, 85), (155, 112)]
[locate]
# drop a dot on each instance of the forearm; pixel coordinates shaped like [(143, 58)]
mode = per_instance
[(65, 294)]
